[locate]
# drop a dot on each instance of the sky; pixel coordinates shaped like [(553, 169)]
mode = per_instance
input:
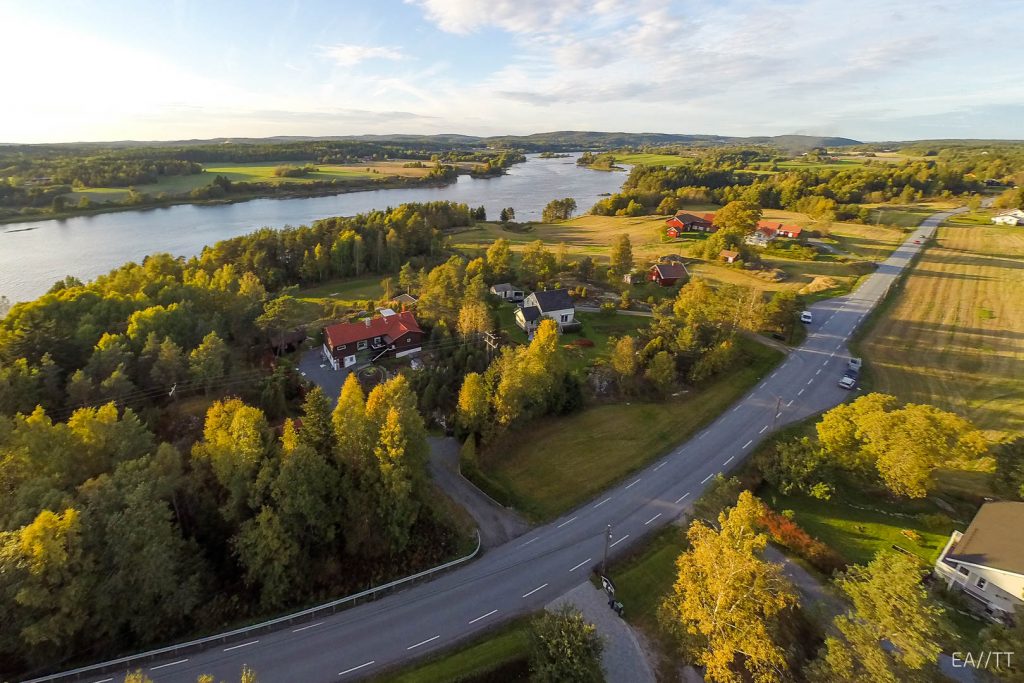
[(182, 69)]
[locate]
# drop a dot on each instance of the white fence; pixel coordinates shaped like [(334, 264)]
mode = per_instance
[(201, 643)]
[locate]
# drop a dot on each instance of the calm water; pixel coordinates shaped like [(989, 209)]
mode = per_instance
[(34, 255)]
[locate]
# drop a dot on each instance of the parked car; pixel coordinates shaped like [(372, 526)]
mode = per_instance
[(806, 317), (855, 364), (848, 380)]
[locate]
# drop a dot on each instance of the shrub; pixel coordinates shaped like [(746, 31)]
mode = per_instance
[(787, 533)]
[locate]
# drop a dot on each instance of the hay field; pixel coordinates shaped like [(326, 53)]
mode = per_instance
[(954, 336)]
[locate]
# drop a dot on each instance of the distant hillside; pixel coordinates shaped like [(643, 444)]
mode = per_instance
[(558, 141)]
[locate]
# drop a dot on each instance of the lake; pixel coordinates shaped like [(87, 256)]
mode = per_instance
[(33, 255)]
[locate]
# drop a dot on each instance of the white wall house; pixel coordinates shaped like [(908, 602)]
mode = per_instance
[(554, 304), (986, 562), (507, 292), (1014, 217)]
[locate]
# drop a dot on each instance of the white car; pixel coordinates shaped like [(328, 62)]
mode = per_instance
[(806, 317)]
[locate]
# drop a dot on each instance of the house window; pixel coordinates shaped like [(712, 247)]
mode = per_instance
[(964, 570), (361, 346), (981, 583), (565, 318), (340, 348), (376, 341)]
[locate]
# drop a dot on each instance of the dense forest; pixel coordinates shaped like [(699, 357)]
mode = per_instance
[(155, 483)]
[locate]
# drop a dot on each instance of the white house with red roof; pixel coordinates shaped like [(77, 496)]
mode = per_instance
[(391, 334)]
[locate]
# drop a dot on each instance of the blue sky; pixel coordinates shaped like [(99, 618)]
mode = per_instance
[(867, 69)]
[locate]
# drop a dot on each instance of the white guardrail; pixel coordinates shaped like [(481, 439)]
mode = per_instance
[(180, 648)]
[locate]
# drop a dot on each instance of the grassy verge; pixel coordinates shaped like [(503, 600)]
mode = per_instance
[(553, 465), (495, 656)]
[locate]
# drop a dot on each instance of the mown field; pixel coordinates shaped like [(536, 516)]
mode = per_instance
[(648, 159), (260, 172), (560, 462), (954, 336), (593, 236)]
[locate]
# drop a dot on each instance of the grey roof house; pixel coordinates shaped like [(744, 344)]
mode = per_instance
[(554, 304)]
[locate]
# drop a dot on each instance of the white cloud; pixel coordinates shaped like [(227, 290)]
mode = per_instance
[(350, 55), (516, 16)]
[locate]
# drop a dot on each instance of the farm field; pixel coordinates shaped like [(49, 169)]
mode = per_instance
[(593, 235), (954, 335), (260, 172), (602, 444), (647, 159), (906, 215)]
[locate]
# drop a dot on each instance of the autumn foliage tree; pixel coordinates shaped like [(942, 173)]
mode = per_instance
[(727, 600)]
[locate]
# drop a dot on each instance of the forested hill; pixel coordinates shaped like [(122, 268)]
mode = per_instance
[(564, 140)]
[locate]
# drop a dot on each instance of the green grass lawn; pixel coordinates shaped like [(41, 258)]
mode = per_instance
[(647, 159), (858, 524), (554, 464), (971, 218), (347, 289), (263, 172), (502, 653)]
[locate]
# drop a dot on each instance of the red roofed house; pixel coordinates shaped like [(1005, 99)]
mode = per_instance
[(667, 274), (395, 334), (791, 231), (687, 222)]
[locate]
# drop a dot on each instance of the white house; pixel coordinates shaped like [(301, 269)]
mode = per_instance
[(986, 562), (507, 292), (555, 304), (1014, 217)]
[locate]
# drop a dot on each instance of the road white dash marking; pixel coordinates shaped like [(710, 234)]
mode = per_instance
[(702, 435), (530, 541), (772, 376), (602, 503), (763, 429), (296, 630), (810, 381), (483, 616), (424, 642), (235, 647), (747, 444), (580, 564), (568, 521), (818, 372), (682, 497), (633, 484), (652, 519), (660, 465), (707, 478), (161, 666), (824, 364), (832, 355), (616, 543), (778, 415), (357, 668), (103, 680), (800, 392), (790, 403), (728, 460), (737, 408), (539, 588)]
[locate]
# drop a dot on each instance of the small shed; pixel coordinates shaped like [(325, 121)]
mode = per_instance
[(728, 255)]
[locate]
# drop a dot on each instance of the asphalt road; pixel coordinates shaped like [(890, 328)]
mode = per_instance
[(527, 572)]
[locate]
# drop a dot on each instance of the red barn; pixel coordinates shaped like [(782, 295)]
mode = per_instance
[(687, 222)]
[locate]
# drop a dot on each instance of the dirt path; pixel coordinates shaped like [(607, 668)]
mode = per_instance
[(497, 524)]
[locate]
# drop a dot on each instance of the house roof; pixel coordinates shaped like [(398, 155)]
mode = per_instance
[(392, 326), (995, 538), (668, 271), (686, 217), (530, 313), (728, 253), (793, 230), (503, 287), (709, 217), (553, 300), (405, 299)]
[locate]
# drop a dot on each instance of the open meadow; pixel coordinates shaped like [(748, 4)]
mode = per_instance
[(593, 236), (259, 172), (954, 335)]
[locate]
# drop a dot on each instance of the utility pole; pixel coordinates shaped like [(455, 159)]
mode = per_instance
[(492, 344), (607, 540), (778, 409)]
